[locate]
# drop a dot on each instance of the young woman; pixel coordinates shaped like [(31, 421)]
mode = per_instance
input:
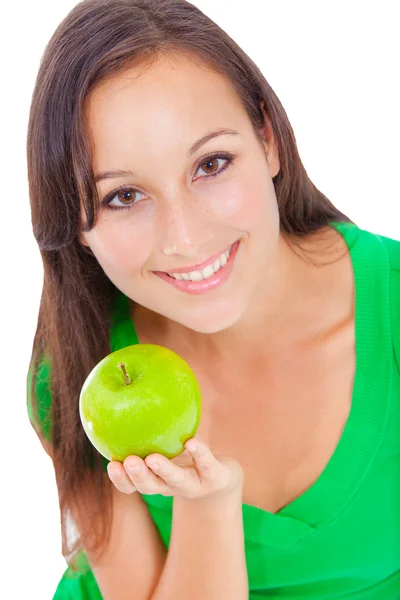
[(170, 206)]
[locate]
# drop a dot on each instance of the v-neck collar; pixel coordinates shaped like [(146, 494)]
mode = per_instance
[(364, 429)]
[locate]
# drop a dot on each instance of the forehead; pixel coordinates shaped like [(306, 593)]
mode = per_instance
[(172, 95)]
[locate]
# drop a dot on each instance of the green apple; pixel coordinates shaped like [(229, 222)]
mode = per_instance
[(139, 400)]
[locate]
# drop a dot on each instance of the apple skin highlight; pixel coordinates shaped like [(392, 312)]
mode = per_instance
[(157, 412)]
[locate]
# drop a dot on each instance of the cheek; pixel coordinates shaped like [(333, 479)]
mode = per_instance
[(120, 244), (245, 203)]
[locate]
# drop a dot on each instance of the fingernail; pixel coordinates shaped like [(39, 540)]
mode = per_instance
[(115, 472), (191, 447)]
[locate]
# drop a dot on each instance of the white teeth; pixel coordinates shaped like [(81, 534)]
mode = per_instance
[(207, 272), (196, 276)]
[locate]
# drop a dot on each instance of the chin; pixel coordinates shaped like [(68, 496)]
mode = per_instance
[(209, 325)]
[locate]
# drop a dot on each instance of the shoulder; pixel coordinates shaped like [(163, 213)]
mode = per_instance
[(393, 249), (374, 242), (380, 255)]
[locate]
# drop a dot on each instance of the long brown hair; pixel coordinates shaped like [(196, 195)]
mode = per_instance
[(98, 39)]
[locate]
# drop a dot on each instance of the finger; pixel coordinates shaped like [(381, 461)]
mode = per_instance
[(119, 477), (172, 474), (203, 458), (145, 481)]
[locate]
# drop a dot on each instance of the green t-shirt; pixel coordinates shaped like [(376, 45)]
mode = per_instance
[(341, 537)]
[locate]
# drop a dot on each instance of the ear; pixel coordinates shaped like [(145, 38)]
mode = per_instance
[(81, 235), (269, 142), (82, 241)]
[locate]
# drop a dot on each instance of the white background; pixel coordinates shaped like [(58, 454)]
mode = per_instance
[(334, 66)]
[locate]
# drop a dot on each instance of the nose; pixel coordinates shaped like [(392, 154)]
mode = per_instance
[(183, 228)]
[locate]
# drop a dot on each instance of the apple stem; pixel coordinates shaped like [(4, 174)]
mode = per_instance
[(127, 379)]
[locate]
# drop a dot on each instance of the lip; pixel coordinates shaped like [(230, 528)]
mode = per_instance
[(205, 285), (198, 267)]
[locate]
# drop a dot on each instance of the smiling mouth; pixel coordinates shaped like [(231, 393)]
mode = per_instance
[(204, 273), (209, 278)]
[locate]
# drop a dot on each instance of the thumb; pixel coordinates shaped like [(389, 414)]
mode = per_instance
[(203, 458)]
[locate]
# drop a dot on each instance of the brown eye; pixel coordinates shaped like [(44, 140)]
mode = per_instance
[(210, 165), (125, 196)]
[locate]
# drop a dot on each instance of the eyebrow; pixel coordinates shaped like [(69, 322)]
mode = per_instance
[(203, 140), (209, 136)]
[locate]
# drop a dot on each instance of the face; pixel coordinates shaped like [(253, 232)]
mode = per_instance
[(175, 204)]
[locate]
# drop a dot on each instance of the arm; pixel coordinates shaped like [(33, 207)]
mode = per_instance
[(206, 558), (135, 556), (206, 555)]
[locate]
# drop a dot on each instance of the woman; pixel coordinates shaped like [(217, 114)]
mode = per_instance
[(171, 206)]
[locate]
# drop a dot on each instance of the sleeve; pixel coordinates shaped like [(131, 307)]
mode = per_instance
[(40, 414)]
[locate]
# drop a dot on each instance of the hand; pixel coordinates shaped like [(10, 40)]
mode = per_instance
[(192, 474)]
